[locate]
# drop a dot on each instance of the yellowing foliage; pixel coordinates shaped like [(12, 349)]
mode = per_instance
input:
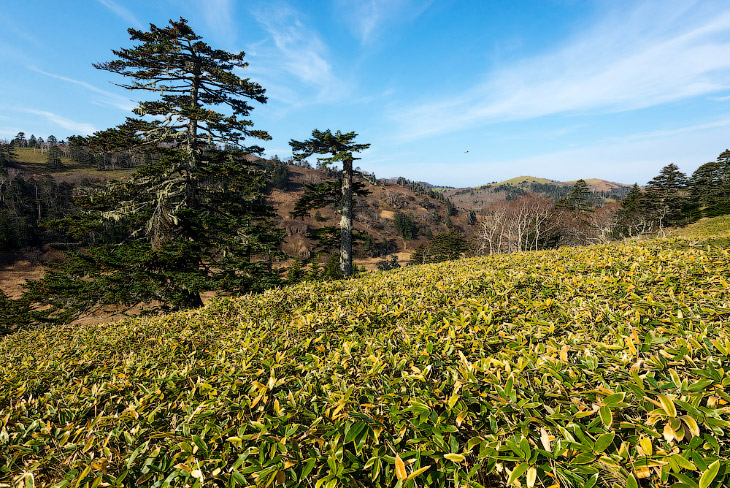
[(576, 367)]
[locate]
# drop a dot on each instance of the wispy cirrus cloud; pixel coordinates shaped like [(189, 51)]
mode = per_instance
[(122, 13), (368, 18), (104, 98), (293, 51), (63, 122), (632, 59)]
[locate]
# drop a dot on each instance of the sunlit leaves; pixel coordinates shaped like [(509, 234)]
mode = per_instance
[(555, 368)]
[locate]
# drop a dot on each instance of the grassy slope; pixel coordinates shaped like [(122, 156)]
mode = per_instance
[(35, 162), (479, 363), (707, 228), (526, 180)]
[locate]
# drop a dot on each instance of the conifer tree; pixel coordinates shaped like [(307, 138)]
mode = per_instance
[(665, 196), (53, 158), (630, 217), (340, 148), (579, 197), (706, 187), (194, 219), (20, 140)]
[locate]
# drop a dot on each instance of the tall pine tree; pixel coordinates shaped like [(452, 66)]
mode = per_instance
[(340, 148), (666, 197), (194, 219)]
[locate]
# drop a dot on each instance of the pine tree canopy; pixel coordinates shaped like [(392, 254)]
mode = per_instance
[(191, 79), (338, 145)]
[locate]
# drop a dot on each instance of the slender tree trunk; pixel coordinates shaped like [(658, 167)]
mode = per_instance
[(192, 139), (346, 220)]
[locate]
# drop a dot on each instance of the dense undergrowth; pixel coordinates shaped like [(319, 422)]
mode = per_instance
[(598, 366)]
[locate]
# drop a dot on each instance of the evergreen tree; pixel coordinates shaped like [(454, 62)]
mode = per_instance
[(443, 246), (7, 157), (195, 219), (630, 217), (279, 175), (19, 140), (579, 197), (32, 142), (340, 148), (405, 225), (666, 198), (706, 188), (53, 160)]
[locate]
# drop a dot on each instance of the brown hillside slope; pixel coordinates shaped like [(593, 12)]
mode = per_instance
[(374, 215)]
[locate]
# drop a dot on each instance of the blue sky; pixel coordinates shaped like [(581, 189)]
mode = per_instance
[(561, 89)]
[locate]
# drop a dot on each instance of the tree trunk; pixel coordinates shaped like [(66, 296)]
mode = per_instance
[(346, 220)]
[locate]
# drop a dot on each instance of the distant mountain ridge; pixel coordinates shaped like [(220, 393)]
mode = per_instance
[(479, 197)]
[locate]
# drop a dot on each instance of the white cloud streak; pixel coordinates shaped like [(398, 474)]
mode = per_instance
[(631, 60), (293, 51), (71, 125), (122, 13), (368, 18), (107, 98)]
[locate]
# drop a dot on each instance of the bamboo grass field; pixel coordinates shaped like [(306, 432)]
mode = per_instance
[(591, 366)]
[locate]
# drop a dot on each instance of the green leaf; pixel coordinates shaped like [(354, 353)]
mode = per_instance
[(592, 481), (508, 387), (709, 475), (307, 469), (603, 442), (683, 462), (354, 431), (456, 458), (606, 416), (614, 400), (631, 482), (238, 478), (518, 471), (201, 444)]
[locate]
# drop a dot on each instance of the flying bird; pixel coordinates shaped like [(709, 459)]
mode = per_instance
[(466, 151)]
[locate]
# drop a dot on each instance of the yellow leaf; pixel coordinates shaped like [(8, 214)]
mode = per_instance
[(453, 399), (668, 405), (645, 444), (457, 458), (631, 346), (417, 472), (691, 425), (400, 468), (531, 476), (545, 439)]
